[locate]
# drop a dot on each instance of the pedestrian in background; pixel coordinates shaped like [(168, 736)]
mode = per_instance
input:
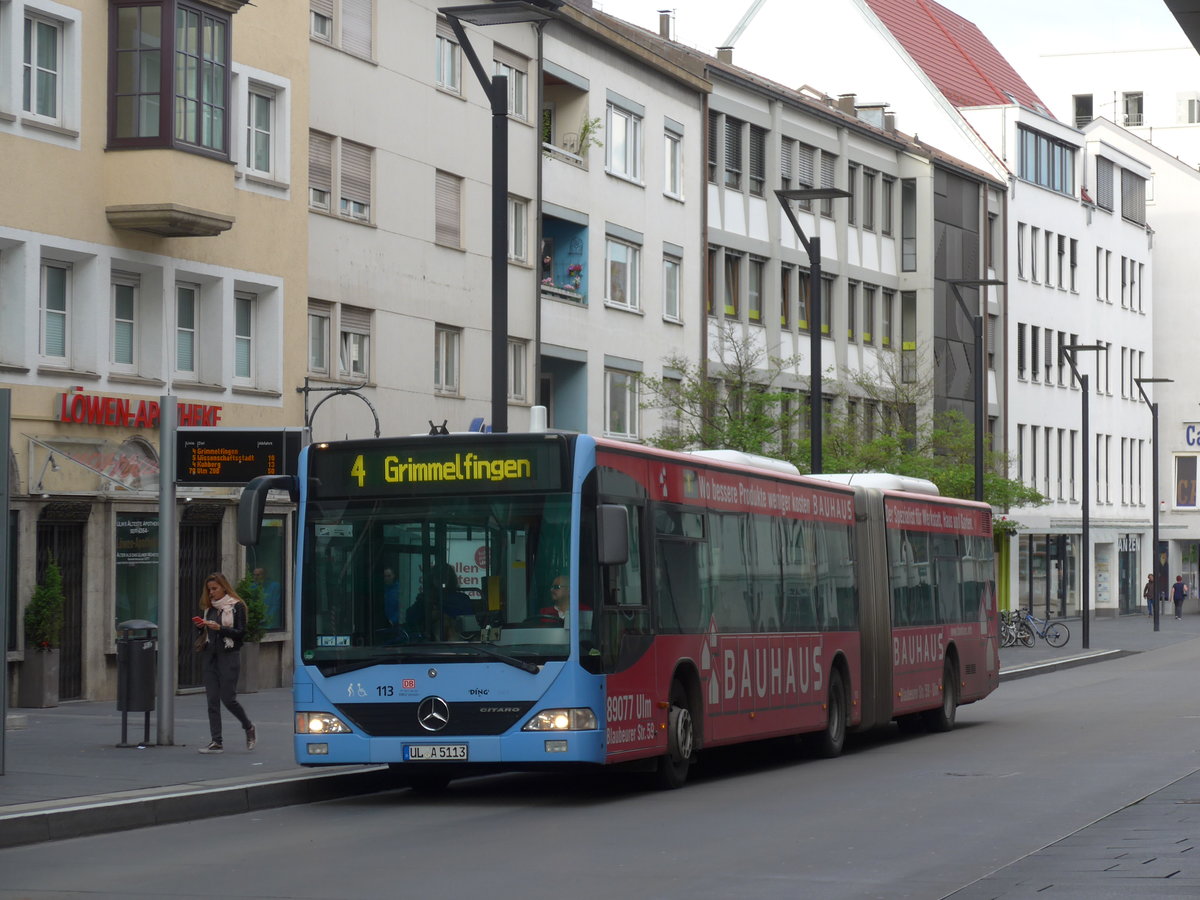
[(222, 625), (1179, 594), (1148, 593)]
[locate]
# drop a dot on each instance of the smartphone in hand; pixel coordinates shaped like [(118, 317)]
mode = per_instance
[(197, 620)]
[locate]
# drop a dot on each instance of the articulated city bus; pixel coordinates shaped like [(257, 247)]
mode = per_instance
[(476, 602)]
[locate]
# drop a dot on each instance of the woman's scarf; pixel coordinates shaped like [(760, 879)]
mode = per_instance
[(225, 606)]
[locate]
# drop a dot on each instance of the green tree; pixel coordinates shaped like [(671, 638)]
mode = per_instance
[(44, 613), (737, 406), (251, 593)]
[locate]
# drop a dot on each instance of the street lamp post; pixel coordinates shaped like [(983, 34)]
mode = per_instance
[(1068, 352), (976, 321), (1154, 478), (496, 89), (812, 246)]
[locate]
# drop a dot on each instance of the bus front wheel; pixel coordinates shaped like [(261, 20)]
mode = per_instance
[(681, 741), (829, 743)]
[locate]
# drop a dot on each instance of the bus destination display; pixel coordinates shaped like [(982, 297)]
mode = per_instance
[(447, 468)]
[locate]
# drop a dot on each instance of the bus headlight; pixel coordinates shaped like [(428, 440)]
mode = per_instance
[(562, 720), (320, 723)]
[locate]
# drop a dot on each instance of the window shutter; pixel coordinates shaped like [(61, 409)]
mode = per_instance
[(320, 161), (785, 161), (356, 27), (733, 145), (322, 7), (1104, 183), (827, 163), (1133, 197), (447, 209), (356, 319), (713, 132), (758, 144), (806, 166), (356, 173)]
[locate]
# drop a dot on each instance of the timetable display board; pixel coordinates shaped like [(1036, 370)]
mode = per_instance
[(233, 456)]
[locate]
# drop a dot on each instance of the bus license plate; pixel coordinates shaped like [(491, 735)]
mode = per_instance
[(437, 752)]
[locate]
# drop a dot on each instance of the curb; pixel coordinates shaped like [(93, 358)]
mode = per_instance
[(1066, 662), (85, 816)]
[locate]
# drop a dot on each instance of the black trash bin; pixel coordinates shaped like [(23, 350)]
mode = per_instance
[(137, 668)]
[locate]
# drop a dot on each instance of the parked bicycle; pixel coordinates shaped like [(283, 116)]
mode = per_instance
[(1014, 630), (1056, 634)]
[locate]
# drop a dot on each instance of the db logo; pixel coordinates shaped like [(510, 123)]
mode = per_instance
[(408, 684)]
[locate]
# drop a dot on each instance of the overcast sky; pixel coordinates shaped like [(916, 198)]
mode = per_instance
[(1061, 24)]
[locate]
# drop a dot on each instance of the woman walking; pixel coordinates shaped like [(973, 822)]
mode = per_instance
[(223, 623)]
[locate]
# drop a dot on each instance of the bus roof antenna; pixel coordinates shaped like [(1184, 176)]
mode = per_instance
[(439, 429)]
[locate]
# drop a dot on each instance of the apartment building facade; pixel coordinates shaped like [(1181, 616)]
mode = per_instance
[(151, 247)]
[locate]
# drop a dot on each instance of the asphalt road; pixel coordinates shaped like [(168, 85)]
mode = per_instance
[(896, 817)]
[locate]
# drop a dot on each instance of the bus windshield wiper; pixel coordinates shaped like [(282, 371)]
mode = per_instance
[(508, 660), (341, 667)]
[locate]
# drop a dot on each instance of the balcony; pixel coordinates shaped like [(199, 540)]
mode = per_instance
[(169, 193), (564, 258)]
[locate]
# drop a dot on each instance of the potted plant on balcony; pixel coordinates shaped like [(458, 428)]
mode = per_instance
[(251, 592), (43, 635)]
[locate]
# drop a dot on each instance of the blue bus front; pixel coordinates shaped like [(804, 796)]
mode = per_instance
[(427, 631)]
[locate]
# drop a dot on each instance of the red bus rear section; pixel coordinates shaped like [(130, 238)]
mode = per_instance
[(778, 605)]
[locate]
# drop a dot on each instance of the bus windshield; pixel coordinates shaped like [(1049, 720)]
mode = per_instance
[(433, 579)]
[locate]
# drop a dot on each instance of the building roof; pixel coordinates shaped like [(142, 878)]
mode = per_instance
[(955, 55)]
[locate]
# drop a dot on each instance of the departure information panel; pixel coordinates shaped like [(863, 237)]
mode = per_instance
[(233, 456)]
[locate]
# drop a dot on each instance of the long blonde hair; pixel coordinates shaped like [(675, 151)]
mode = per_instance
[(220, 579)]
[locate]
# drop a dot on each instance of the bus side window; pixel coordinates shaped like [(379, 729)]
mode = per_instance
[(677, 574), (799, 576)]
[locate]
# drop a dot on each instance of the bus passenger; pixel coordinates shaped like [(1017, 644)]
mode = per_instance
[(435, 611)]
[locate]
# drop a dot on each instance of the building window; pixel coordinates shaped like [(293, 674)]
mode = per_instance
[(245, 309), (319, 315), (518, 241), (41, 87), (1131, 105), (1021, 249), (260, 130), (868, 199), (448, 59), (908, 225), (887, 199), (714, 131), (733, 287), (518, 354), (623, 154), (352, 164), (754, 288), (671, 270), (187, 303), (623, 271), (1082, 104), (758, 160), (785, 163), (886, 317), (851, 311), (184, 104), (1035, 238), (1133, 197), (447, 228), (445, 359), (806, 161), (621, 403), (354, 342), (733, 153), (1045, 161), (803, 297), (518, 91), (673, 164), (785, 295), (827, 283), (868, 314), (345, 24), (124, 317), (852, 187), (55, 305), (828, 165)]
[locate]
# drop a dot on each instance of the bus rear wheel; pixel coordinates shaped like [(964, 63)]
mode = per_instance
[(829, 743), (942, 719), (673, 768)]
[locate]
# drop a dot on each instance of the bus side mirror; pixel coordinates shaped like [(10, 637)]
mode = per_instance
[(612, 534), (254, 502)]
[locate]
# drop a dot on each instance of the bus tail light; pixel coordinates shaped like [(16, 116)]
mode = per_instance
[(320, 723), (580, 719)]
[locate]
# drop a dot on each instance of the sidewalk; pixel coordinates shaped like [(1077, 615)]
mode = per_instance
[(65, 777)]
